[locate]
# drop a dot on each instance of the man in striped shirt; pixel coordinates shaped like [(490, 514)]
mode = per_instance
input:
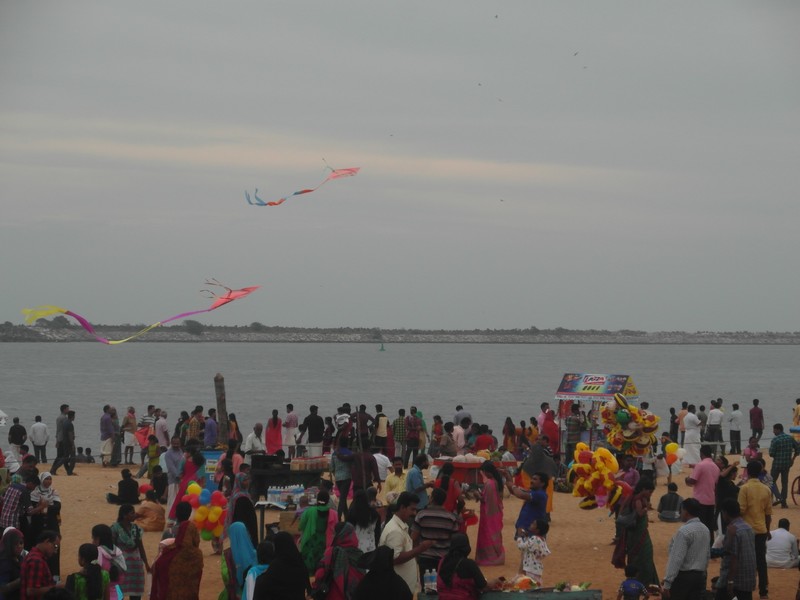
[(689, 552), (437, 524)]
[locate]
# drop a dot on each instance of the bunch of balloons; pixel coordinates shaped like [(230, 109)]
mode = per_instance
[(594, 478), (209, 510), (673, 453), (631, 429)]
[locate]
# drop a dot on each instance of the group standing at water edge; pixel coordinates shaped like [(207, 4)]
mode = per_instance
[(422, 525)]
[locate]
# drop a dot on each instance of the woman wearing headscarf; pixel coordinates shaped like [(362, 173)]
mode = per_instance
[(287, 576), (241, 509), (339, 565), (459, 577), (265, 554), (11, 547), (490, 530), (179, 568), (45, 515), (381, 581), (237, 559), (314, 530)]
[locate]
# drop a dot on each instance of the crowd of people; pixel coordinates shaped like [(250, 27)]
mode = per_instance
[(383, 514)]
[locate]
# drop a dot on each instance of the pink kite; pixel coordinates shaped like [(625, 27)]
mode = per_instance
[(33, 314), (335, 174)]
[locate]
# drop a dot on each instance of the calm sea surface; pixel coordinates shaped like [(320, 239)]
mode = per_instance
[(492, 381)]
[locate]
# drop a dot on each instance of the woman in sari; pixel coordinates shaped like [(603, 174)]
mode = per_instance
[(510, 435), (193, 470), (127, 537), (274, 434), (490, 530), (339, 565), (287, 577), (179, 568), (636, 540), (240, 508), (313, 530), (448, 483), (238, 558)]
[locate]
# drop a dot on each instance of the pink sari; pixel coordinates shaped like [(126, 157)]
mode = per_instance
[(189, 474), (490, 530)]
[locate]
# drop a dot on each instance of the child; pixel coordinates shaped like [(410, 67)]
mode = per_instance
[(153, 453), (372, 497), (88, 455), (669, 505), (631, 588), (91, 582), (534, 549)]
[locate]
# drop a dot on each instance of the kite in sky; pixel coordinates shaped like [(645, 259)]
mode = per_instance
[(33, 314), (335, 174)]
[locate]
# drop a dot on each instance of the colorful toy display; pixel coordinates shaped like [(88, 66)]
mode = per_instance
[(209, 510), (631, 429)]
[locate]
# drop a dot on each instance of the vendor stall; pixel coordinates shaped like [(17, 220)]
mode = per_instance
[(590, 392)]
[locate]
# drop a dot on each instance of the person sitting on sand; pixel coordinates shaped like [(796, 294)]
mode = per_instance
[(127, 490), (669, 505), (150, 515)]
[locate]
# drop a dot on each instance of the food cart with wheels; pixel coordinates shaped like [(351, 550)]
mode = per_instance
[(590, 391)]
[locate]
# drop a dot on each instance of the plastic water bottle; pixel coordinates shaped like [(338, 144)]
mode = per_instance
[(429, 581), (434, 585)]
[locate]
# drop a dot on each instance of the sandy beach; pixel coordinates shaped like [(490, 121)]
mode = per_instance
[(579, 539)]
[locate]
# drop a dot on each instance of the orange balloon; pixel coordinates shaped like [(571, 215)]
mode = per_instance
[(671, 458)]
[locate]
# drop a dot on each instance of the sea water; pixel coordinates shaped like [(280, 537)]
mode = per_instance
[(492, 381)]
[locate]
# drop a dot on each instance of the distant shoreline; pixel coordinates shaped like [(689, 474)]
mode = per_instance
[(257, 333)]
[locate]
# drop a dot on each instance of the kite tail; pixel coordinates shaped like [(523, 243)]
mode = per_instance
[(34, 314), (133, 337)]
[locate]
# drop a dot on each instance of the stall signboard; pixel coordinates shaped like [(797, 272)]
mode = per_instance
[(589, 386)]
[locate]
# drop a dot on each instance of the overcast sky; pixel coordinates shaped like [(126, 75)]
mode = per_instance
[(584, 165)]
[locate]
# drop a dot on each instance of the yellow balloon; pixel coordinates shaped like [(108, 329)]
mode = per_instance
[(201, 514), (194, 490), (217, 531), (580, 447), (671, 448), (213, 517)]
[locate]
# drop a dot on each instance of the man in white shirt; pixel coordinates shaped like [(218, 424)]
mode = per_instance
[(782, 550), (162, 431), (254, 444), (383, 461), (735, 423), (540, 419), (39, 438), (460, 437), (714, 428), (395, 535)]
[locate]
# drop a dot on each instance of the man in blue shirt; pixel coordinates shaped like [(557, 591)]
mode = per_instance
[(415, 481), (210, 431), (535, 506)]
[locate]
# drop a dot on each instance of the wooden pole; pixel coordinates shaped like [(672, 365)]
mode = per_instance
[(222, 410)]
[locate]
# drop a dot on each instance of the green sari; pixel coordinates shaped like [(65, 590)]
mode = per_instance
[(314, 526)]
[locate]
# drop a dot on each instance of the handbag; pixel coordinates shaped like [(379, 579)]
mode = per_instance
[(323, 587), (627, 518)]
